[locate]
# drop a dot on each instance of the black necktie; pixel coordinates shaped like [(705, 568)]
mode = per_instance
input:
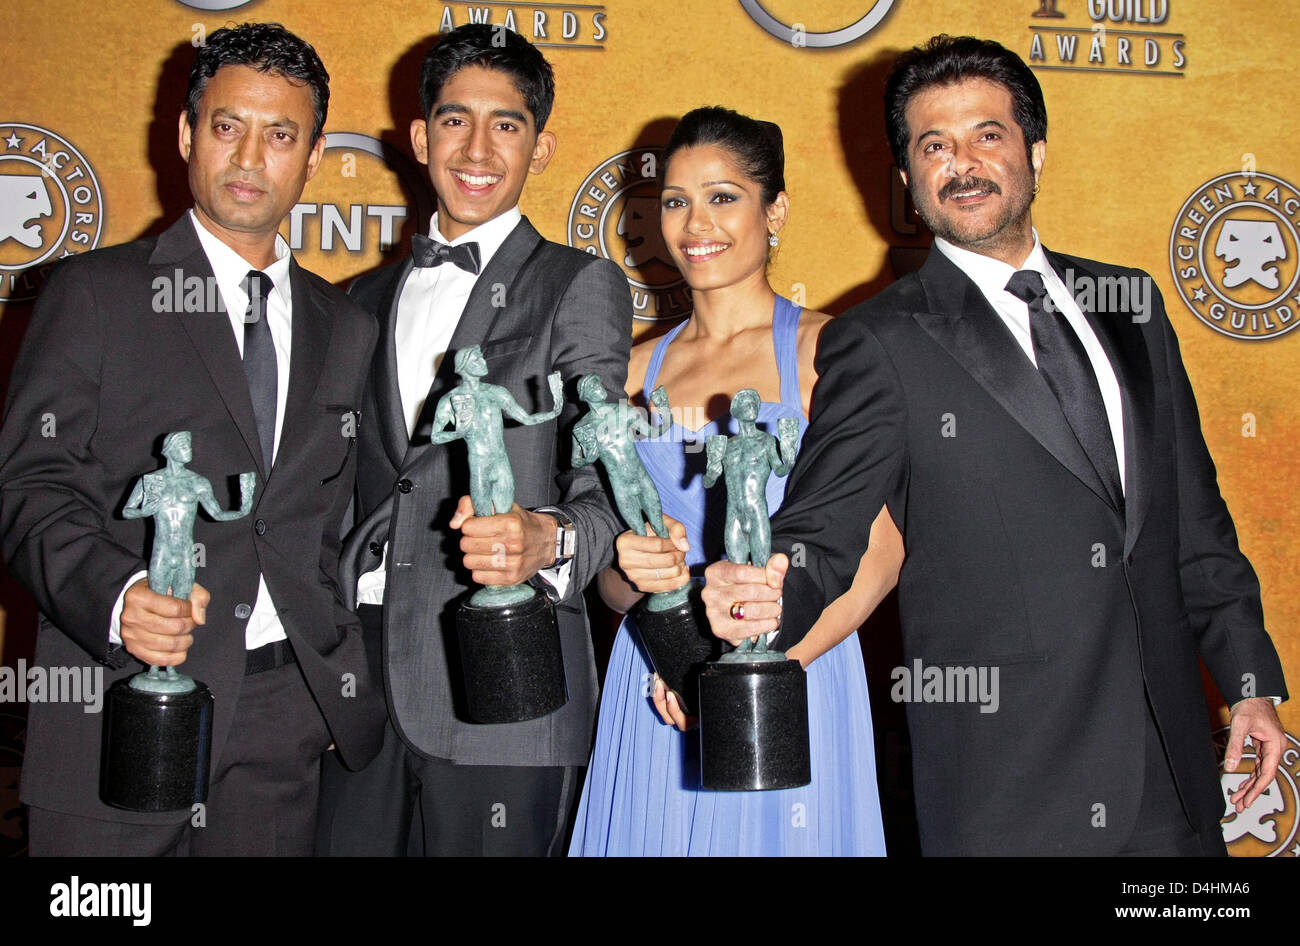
[(259, 361), (1065, 367), (428, 252)]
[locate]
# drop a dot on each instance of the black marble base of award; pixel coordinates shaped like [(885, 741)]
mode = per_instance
[(157, 745), (510, 651), (754, 724), (676, 635)]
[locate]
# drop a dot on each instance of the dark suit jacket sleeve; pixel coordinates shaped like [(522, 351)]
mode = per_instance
[(851, 462), (1220, 589), (52, 505), (593, 336)]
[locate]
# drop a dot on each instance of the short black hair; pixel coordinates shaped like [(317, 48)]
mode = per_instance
[(495, 47), (946, 60), (266, 47), (757, 147)]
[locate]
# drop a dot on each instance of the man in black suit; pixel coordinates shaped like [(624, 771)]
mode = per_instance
[(483, 277), (1040, 451), (111, 363)]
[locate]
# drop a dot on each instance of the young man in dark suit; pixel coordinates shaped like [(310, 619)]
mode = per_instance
[(482, 277), (1041, 453), (264, 367)]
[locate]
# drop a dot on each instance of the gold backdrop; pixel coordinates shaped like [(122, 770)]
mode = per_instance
[(1168, 128)]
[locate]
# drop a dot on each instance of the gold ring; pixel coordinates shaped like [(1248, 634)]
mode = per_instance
[(738, 610)]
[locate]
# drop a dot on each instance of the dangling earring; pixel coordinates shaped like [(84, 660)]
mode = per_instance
[(773, 240)]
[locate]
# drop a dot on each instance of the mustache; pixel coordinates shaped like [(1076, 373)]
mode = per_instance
[(967, 184)]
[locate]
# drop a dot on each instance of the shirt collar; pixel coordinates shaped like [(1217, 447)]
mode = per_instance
[(991, 275), (489, 236), (230, 268)]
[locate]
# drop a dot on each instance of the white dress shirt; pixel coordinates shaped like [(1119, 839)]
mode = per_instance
[(991, 276), (230, 270), (428, 311)]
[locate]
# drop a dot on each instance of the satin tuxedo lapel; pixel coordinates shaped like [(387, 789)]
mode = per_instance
[(179, 251), (963, 323), (1126, 349), (480, 320)]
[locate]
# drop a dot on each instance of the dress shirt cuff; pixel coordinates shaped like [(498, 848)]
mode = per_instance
[(558, 578), (371, 584), (115, 624), (1277, 700)]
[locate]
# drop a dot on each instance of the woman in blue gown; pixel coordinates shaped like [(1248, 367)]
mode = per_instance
[(724, 202)]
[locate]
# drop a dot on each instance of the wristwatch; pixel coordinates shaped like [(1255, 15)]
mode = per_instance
[(566, 535)]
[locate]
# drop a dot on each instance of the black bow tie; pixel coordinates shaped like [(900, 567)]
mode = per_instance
[(429, 252)]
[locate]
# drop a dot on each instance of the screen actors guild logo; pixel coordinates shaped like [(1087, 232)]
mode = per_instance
[(1252, 244), (1268, 828), (51, 206), (23, 199), (796, 35), (638, 225), (615, 214), (1235, 255)]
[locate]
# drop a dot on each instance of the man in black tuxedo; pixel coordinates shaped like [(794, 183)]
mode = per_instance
[(110, 365), (1042, 456), (483, 277)]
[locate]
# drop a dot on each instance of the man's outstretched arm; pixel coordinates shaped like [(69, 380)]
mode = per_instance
[(851, 461)]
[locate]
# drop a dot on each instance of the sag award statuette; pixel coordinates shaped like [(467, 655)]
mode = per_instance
[(672, 624), (158, 728), (508, 635), (753, 701)]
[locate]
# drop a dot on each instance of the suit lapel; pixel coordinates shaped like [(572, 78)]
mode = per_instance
[(179, 254), (963, 323), (1128, 356), (312, 326), (388, 395), (478, 319), (476, 322)]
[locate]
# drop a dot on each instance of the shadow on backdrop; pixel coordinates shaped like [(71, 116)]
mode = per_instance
[(885, 202)]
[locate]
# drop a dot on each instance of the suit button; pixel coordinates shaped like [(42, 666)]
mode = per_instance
[(242, 611), (404, 485), (260, 527), (376, 548)]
